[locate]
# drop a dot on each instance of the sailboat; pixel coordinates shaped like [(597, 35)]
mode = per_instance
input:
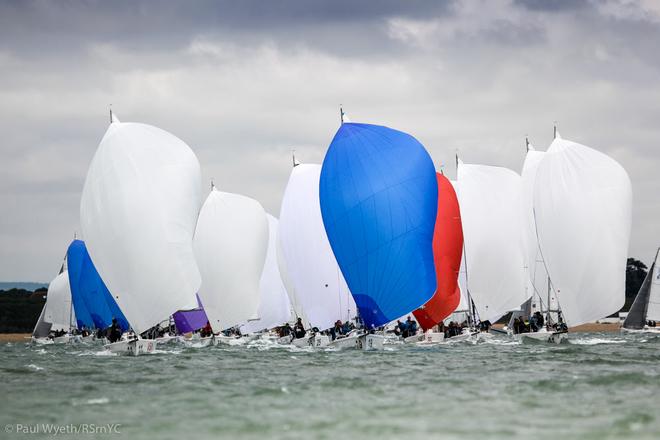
[(538, 285), (138, 213), (582, 211), (489, 199), (274, 306), (57, 314), (318, 287), (447, 255), (230, 246), (645, 309), (379, 200)]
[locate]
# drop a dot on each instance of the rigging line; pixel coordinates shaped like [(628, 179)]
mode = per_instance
[(552, 284)]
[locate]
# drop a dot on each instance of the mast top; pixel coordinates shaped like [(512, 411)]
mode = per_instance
[(341, 113), (293, 158)]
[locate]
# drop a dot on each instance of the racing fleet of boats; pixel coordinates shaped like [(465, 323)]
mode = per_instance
[(373, 235)]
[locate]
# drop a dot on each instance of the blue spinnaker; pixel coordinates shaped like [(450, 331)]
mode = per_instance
[(89, 293), (379, 198)]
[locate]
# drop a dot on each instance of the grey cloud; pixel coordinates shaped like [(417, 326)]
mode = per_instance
[(553, 5), (244, 87)]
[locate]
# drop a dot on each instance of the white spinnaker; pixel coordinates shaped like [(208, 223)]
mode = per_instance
[(582, 206), (138, 213), (58, 303), (319, 287), (274, 305), (490, 203), (653, 307), (230, 247)]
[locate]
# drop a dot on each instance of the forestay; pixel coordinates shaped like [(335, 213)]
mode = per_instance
[(319, 287), (138, 213), (230, 246), (582, 207), (379, 199), (274, 306), (490, 203)]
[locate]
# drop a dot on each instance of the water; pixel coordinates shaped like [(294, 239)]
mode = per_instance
[(598, 386)]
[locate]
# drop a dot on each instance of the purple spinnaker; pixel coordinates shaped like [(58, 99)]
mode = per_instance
[(187, 321)]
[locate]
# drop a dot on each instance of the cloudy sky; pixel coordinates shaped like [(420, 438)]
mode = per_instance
[(244, 83)]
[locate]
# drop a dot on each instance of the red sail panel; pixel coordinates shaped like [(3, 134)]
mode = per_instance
[(447, 253)]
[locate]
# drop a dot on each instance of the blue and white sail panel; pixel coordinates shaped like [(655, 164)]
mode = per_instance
[(74, 263), (379, 197), (89, 290)]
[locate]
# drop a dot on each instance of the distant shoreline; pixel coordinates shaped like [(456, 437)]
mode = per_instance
[(15, 337), (584, 328)]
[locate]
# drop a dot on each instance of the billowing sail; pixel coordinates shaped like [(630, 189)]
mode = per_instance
[(187, 321), (274, 305), (59, 310), (319, 287), (447, 254), (379, 199), (74, 264), (489, 199), (138, 212), (88, 288), (582, 207), (230, 247)]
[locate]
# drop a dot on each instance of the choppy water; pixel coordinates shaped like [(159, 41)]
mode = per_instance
[(598, 386)]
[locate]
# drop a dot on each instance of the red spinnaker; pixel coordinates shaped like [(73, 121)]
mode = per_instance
[(447, 253)]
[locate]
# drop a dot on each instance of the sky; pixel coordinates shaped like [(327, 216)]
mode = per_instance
[(245, 83)]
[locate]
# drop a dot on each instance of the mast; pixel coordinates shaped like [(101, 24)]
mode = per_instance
[(527, 143), (554, 130), (341, 114)]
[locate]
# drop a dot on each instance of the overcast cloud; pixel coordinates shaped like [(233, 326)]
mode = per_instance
[(243, 83)]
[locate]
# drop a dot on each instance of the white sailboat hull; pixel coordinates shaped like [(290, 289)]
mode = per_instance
[(359, 342), (223, 340), (320, 341), (41, 341), (433, 338), (132, 348), (62, 339), (541, 336), (302, 342), (414, 338), (646, 329)]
